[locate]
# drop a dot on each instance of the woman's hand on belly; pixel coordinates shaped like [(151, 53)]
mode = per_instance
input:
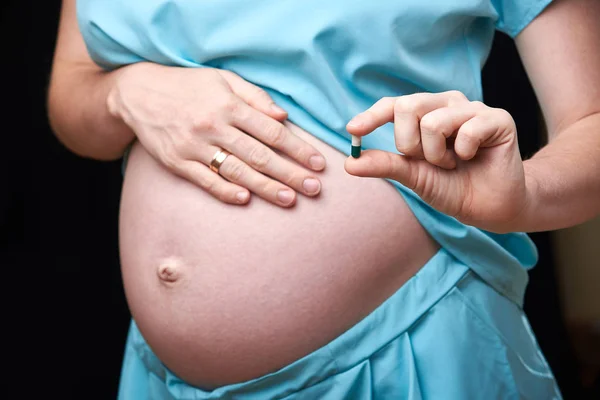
[(184, 116)]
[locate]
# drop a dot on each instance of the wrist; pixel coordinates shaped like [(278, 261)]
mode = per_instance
[(113, 101), (528, 211), (526, 221), (115, 123), (118, 82)]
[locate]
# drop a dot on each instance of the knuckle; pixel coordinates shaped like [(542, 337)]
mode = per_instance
[(269, 189), (220, 72), (239, 142), (231, 139), (390, 164), (506, 121), (275, 136), (387, 99), (478, 104), (236, 171), (182, 141), (402, 146), (504, 116), (403, 104), (209, 184), (382, 101), (303, 153), (436, 156), (205, 123), (467, 132), (457, 95), (230, 104), (431, 125), (259, 157), (292, 178), (259, 95), (499, 118), (169, 157)]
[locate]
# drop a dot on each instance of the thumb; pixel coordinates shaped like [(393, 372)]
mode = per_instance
[(418, 175), (253, 95), (442, 189)]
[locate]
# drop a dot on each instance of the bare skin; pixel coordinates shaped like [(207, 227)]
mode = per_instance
[(182, 116), (481, 179), (221, 294), (224, 294), (226, 288)]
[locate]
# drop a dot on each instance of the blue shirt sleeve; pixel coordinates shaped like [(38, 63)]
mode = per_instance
[(515, 15)]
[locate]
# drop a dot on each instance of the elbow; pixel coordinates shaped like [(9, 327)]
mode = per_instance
[(89, 151), (100, 154), (69, 136), (94, 151)]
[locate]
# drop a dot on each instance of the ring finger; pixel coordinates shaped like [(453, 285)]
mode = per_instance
[(261, 158), (238, 172)]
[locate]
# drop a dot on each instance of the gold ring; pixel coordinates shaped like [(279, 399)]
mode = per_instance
[(218, 159)]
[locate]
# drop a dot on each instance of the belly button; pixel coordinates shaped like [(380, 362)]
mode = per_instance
[(168, 272)]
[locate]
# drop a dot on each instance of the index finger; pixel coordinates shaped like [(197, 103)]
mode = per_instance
[(409, 107)]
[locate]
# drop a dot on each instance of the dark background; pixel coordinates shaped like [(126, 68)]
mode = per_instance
[(58, 225)]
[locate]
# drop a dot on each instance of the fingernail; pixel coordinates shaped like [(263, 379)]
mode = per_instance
[(242, 197), (277, 109), (311, 185), (316, 162), (285, 197)]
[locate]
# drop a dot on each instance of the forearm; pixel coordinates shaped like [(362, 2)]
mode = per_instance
[(563, 179), (78, 111)]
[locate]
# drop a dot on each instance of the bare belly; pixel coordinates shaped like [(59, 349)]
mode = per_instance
[(254, 288)]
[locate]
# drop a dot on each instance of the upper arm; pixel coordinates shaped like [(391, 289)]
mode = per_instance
[(70, 47), (560, 50)]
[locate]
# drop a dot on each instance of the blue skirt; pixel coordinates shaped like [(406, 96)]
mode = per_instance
[(445, 334)]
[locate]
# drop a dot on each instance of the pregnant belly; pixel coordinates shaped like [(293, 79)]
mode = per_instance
[(224, 294)]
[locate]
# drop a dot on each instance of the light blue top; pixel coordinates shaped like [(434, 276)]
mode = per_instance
[(324, 62)]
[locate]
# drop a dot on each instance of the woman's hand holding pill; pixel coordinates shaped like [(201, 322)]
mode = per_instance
[(461, 157)]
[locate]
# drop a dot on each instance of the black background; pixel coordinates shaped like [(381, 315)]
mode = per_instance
[(58, 225)]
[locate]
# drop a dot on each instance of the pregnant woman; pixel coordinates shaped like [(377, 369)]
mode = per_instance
[(258, 261)]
